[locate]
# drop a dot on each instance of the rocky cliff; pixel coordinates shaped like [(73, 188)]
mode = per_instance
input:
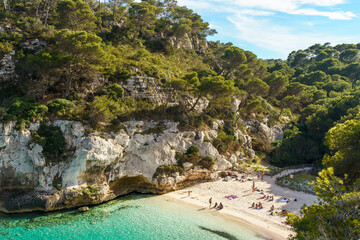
[(103, 166)]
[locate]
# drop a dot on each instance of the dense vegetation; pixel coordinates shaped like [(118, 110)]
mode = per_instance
[(53, 142), (88, 50)]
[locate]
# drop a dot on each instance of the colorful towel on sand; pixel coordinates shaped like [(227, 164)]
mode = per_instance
[(230, 197)]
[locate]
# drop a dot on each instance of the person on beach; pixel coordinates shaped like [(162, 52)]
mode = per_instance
[(253, 205), (256, 206), (284, 212), (258, 174), (263, 197), (262, 175), (272, 208), (215, 205), (221, 206), (189, 193), (210, 200)]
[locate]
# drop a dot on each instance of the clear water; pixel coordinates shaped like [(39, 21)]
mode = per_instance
[(130, 217)]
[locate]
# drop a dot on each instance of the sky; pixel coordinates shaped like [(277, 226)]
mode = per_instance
[(274, 28)]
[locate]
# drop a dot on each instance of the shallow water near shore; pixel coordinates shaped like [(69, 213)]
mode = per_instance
[(131, 217)]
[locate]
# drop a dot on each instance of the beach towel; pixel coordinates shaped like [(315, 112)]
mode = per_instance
[(230, 197), (284, 200)]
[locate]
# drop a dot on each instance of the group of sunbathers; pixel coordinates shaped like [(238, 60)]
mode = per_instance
[(216, 206), (267, 198), (243, 179), (273, 212), (257, 205), (284, 212)]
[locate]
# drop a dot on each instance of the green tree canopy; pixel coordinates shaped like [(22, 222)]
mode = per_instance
[(142, 19), (83, 57), (277, 83), (75, 15), (213, 87), (343, 141), (233, 57), (335, 217), (257, 86), (349, 55)]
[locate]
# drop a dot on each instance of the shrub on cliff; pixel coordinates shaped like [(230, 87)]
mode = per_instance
[(226, 143), (61, 106), (5, 48), (103, 110), (115, 91), (192, 156), (192, 150), (155, 130), (168, 170), (52, 140), (207, 162), (23, 111)]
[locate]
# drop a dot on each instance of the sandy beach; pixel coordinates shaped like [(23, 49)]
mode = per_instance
[(258, 220)]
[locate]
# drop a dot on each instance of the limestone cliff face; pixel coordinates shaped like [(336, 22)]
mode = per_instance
[(104, 166), (149, 89), (263, 134), (100, 168), (189, 43), (7, 66)]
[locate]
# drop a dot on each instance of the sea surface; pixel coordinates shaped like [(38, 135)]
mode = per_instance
[(130, 217)]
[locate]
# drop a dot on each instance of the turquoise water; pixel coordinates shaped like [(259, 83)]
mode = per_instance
[(130, 217)]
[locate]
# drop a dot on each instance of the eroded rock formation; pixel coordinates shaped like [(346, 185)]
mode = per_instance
[(100, 168)]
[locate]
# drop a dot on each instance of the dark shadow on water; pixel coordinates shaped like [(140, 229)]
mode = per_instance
[(219, 233)]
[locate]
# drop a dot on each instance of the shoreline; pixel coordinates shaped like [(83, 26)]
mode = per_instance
[(239, 209), (233, 215)]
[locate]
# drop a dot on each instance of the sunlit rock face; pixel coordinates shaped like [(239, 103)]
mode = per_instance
[(102, 166), (263, 134), (149, 89)]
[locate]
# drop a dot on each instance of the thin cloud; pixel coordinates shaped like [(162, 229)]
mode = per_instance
[(255, 25), (266, 7), (331, 15), (252, 12), (268, 35), (325, 3)]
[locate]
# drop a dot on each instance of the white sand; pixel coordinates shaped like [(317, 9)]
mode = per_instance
[(260, 221)]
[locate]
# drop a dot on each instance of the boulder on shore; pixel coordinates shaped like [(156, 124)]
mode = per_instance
[(83, 209)]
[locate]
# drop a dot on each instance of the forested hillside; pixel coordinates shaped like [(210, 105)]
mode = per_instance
[(72, 60)]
